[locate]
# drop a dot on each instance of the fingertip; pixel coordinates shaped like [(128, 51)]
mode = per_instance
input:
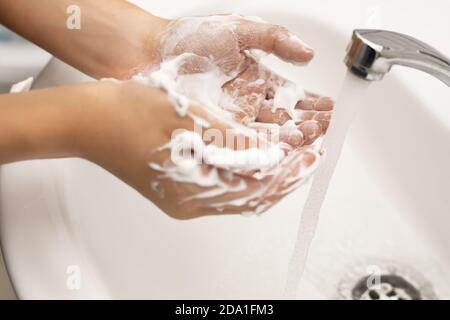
[(311, 130), (323, 118), (324, 104), (274, 39), (291, 49), (294, 139), (309, 159), (308, 54), (278, 116)]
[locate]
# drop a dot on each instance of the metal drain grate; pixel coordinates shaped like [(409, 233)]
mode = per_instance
[(391, 287), (383, 280)]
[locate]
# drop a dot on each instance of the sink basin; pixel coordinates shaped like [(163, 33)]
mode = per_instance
[(20, 59), (387, 206)]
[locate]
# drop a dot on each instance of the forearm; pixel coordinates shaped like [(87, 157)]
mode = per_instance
[(116, 38), (40, 124)]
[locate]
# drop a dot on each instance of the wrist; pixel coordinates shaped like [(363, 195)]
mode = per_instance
[(39, 125), (152, 39), (137, 40), (96, 118)]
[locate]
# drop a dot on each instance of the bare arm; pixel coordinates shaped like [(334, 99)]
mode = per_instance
[(38, 124), (108, 124), (116, 38)]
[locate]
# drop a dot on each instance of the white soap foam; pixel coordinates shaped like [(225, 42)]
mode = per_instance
[(205, 89), (287, 97)]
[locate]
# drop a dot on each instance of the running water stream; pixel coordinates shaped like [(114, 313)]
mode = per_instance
[(349, 102)]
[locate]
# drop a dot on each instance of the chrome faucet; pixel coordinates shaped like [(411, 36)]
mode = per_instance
[(372, 53)]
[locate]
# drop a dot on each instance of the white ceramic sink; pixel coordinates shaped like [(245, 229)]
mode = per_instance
[(388, 204), (19, 59)]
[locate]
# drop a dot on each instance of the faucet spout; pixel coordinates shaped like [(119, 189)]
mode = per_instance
[(372, 53)]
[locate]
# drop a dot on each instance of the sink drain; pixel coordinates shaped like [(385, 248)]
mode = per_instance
[(391, 287), (384, 282)]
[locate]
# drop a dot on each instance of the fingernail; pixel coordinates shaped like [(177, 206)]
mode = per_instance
[(324, 104), (311, 130), (323, 118), (300, 42)]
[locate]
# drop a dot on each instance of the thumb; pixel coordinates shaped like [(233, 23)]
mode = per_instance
[(273, 39)]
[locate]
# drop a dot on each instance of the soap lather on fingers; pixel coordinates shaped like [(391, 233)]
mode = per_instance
[(221, 178), (207, 60), (256, 90), (274, 39), (226, 40)]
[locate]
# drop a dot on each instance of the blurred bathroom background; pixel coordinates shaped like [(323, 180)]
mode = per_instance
[(19, 59)]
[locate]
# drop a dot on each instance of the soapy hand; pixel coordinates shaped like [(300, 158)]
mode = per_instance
[(263, 97), (227, 40), (130, 142), (260, 100)]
